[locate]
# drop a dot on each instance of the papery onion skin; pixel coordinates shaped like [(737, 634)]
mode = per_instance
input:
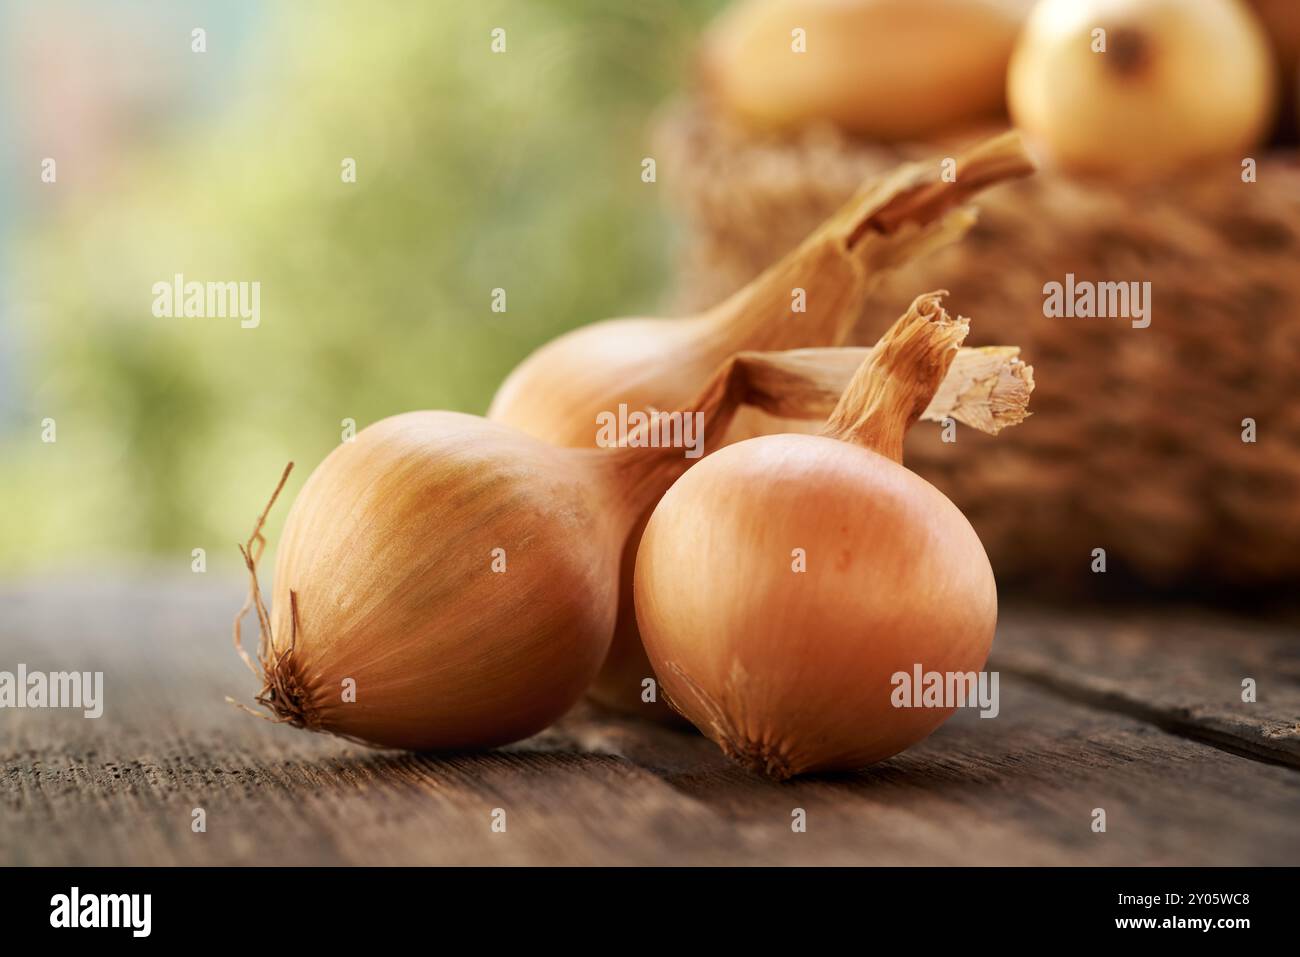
[(621, 683), (395, 588), (556, 393), (790, 672)]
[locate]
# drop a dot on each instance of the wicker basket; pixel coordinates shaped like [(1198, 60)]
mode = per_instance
[(1136, 442)]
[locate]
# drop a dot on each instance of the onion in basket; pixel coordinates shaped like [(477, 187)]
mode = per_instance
[(1178, 83)]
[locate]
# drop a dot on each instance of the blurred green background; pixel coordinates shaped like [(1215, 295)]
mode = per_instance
[(475, 170)]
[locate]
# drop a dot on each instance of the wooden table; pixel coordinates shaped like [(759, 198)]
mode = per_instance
[(1139, 713)]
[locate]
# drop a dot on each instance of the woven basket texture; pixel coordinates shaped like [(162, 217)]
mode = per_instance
[(1135, 444)]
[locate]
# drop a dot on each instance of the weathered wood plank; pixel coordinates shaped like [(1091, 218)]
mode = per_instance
[(1180, 670), (1019, 789), (595, 789)]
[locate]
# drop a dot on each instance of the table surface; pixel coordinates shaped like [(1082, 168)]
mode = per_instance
[(1138, 712)]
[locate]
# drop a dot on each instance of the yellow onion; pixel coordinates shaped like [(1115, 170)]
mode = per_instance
[(888, 69), (986, 389), (448, 582), (557, 392), (1178, 83), (789, 667)]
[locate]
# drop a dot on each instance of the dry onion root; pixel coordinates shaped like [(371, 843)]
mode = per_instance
[(448, 582), (788, 666)]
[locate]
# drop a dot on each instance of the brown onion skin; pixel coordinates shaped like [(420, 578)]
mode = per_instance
[(790, 672), (394, 587), (556, 393), (620, 685)]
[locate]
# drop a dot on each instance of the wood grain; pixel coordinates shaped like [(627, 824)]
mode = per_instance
[(597, 789), (1178, 670)]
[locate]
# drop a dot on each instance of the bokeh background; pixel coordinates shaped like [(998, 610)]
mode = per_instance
[(474, 171), (478, 171)]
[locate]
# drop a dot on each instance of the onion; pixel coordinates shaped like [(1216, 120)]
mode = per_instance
[(556, 392), (986, 389), (449, 582), (791, 671), (889, 69), (1178, 83)]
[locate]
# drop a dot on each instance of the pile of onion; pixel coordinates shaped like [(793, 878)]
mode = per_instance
[(449, 582), (556, 393), (784, 580)]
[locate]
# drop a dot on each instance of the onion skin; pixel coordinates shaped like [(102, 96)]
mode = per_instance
[(644, 363), (788, 666), (888, 69), (395, 589), (620, 684), (1180, 83), (790, 673)]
